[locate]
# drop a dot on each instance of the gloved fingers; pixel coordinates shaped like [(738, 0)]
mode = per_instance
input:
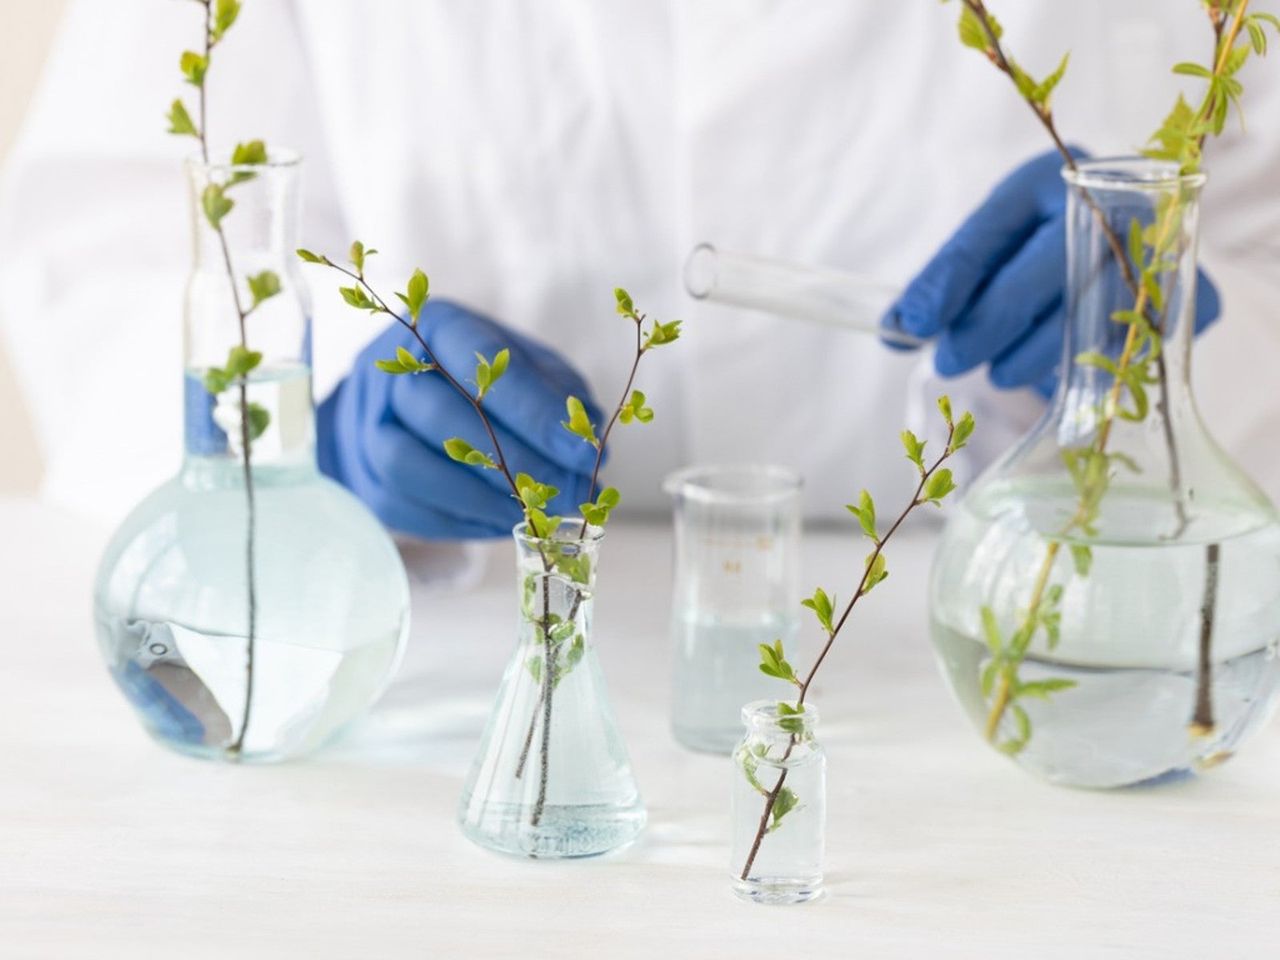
[(1208, 303), (1025, 287), (403, 468), (1033, 358), (527, 400), (431, 410), (942, 291)]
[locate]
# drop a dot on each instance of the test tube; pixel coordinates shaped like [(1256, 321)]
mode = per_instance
[(830, 297), (737, 544)]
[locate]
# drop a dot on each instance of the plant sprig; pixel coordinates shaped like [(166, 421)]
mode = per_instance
[(558, 655), (1148, 253), (216, 204), (934, 483)]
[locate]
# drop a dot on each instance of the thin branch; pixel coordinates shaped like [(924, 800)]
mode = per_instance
[(772, 797)]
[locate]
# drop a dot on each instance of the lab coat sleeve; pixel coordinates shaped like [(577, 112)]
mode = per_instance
[(94, 228)]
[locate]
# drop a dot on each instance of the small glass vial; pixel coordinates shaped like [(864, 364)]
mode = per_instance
[(736, 586), (779, 805)]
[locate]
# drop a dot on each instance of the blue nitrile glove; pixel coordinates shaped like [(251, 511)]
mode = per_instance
[(995, 292), (381, 435)]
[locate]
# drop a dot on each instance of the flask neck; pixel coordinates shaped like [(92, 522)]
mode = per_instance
[(253, 240), (1131, 266)]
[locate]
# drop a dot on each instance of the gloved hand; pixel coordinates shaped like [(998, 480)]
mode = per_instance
[(995, 292), (381, 435)]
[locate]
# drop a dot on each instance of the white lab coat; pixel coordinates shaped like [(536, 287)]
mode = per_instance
[(531, 155)]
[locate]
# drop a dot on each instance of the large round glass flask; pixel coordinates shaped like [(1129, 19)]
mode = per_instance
[(238, 627), (1105, 602)]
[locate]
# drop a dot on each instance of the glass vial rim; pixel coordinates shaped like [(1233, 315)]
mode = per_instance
[(1132, 173), (761, 716)]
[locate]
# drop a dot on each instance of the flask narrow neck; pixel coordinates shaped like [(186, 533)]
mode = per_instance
[(250, 245), (1131, 259)]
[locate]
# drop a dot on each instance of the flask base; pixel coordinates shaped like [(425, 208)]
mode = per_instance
[(563, 832)]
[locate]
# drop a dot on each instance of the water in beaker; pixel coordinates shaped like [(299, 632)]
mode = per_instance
[(737, 540)]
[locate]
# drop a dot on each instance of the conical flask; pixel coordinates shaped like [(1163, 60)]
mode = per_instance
[(1106, 600), (552, 778)]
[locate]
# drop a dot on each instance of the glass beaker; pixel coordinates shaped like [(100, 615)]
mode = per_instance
[(736, 585), (1106, 601), (249, 620), (779, 806)]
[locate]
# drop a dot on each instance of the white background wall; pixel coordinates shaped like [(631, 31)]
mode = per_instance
[(26, 29)]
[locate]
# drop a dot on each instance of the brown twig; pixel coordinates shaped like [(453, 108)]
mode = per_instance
[(772, 797)]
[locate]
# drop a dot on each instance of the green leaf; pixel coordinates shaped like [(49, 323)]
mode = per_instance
[(1082, 558), (773, 662), (973, 34), (991, 630), (823, 608), (215, 203), (310, 257), (193, 66), (987, 680), (534, 494), (1236, 59), (1021, 722), (1137, 249), (784, 803), (577, 567), (415, 295), (356, 255), (635, 409), (876, 570), (597, 514), (1192, 70), (412, 364), (1042, 91), (225, 13), (216, 380), (624, 305), (939, 484), (180, 121), (488, 373), (458, 449), (263, 286), (791, 719), (962, 432), (259, 420), (1041, 689), (251, 153), (579, 424), (662, 333), (865, 511), (914, 448), (356, 297), (944, 407), (240, 361)]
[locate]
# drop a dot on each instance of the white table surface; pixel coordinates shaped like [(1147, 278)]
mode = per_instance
[(937, 847)]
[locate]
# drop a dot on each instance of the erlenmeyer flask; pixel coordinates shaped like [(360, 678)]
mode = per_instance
[(552, 778)]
